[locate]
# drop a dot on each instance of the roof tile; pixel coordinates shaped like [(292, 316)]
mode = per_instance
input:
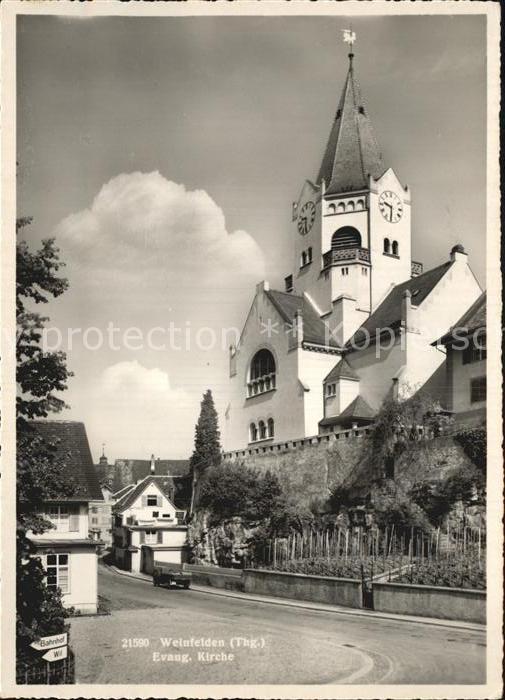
[(72, 448)]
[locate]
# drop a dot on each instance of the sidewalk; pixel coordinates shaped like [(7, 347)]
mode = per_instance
[(321, 607)]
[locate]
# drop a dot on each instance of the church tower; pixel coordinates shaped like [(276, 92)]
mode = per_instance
[(351, 227)]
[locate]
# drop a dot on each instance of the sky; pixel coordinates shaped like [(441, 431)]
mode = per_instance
[(164, 155)]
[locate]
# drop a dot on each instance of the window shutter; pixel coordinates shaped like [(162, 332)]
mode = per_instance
[(73, 519), (142, 537), (160, 536), (144, 501)]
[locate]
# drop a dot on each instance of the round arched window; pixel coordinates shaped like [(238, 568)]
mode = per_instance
[(346, 237), (261, 373)]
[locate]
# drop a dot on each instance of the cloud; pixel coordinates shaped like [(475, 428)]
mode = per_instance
[(142, 225), (138, 412)]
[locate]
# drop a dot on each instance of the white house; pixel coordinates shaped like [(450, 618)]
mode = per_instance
[(148, 525), (354, 294), (68, 554)]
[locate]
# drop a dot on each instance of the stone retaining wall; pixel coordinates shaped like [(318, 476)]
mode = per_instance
[(216, 577), (430, 601), (318, 589)]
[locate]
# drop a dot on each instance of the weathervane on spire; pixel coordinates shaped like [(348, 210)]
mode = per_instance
[(349, 36)]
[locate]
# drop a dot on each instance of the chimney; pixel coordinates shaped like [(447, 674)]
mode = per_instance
[(153, 470), (262, 287), (298, 326), (458, 253), (406, 308)]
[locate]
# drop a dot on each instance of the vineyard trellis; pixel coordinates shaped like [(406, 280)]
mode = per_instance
[(452, 557)]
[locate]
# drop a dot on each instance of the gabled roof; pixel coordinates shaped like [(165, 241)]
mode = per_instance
[(173, 488), (342, 370), (119, 494), (389, 313), (352, 152), (142, 467), (314, 328), (71, 449), (473, 319)]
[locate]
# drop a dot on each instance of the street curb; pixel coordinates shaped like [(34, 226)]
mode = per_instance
[(317, 607)]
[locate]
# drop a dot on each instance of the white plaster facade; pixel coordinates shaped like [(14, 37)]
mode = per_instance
[(146, 518), (351, 259), (69, 556)]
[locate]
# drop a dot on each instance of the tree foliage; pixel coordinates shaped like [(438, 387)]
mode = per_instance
[(207, 450), (401, 427), (233, 489), (40, 376)]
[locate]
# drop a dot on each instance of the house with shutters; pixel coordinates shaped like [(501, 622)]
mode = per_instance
[(68, 554), (149, 524)]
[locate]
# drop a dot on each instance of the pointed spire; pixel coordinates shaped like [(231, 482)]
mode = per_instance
[(352, 153)]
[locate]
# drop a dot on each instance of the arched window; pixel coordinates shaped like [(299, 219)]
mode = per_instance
[(341, 208), (350, 206), (346, 237), (270, 427), (253, 432), (303, 260), (360, 204), (387, 245), (261, 373), (332, 208), (395, 247), (309, 255), (262, 429)]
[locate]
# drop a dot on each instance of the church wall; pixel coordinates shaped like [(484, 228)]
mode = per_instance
[(285, 404), (313, 368), (452, 296), (376, 367)]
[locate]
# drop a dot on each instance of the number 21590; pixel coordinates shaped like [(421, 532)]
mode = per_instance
[(134, 643)]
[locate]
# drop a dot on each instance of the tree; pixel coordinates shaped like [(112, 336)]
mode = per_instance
[(207, 451), (40, 375)]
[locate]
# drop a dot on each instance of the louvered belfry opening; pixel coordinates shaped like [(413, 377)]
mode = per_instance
[(346, 237)]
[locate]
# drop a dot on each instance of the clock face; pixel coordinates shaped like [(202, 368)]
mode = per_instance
[(391, 206), (306, 217)]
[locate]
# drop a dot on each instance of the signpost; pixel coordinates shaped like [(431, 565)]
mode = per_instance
[(52, 642), (55, 647), (56, 654)]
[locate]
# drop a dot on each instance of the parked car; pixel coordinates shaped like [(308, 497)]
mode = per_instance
[(166, 574)]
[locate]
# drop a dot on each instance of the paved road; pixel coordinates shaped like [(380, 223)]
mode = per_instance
[(259, 642)]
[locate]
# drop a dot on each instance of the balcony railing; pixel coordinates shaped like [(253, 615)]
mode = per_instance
[(261, 385), (338, 255), (416, 268)]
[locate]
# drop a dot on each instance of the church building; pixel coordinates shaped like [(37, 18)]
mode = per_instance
[(357, 317)]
